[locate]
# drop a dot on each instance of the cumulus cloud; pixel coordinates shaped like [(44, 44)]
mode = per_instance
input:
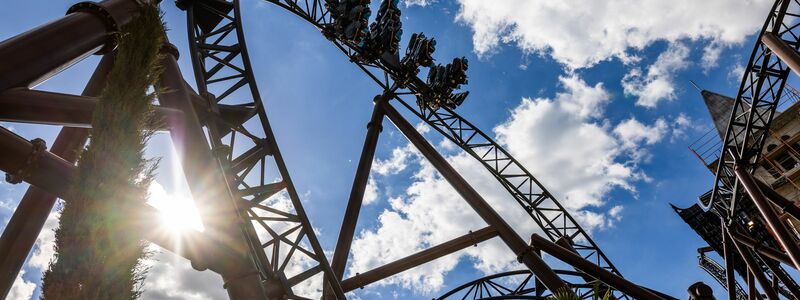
[(657, 84), (546, 134), (736, 73), (172, 277), (371, 193), (396, 163), (580, 34), (418, 2), (680, 126), (21, 289), (711, 54), (632, 133)]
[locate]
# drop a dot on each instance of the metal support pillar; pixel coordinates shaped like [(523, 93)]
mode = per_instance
[(374, 128), (753, 267), (42, 52), (786, 53), (345, 240), (39, 107), (759, 248), (524, 253), (580, 263), (419, 258), (785, 205), (752, 292), (209, 186), (780, 274), (730, 256), (28, 219), (769, 215), (52, 175)]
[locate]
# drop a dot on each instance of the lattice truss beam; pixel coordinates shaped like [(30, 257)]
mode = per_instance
[(279, 237), (757, 99), (737, 197), (285, 244), (542, 207)]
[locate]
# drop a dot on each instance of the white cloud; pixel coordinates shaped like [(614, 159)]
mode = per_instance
[(736, 72), (418, 2), (580, 34), (21, 289), (657, 84), (711, 54), (371, 193), (546, 134), (631, 132), (680, 125), (396, 163), (172, 277)]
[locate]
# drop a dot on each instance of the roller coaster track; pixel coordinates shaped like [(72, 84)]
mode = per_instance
[(516, 285), (718, 272), (756, 101), (225, 80), (748, 128)]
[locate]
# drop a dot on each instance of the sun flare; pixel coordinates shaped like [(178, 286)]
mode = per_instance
[(177, 213)]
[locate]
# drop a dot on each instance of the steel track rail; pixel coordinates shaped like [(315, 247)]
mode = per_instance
[(521, 284), (545, 210), (281, 236), (755, 104)]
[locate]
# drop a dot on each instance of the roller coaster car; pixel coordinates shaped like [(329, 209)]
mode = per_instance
[(384, 33), (457, 99), (419, 52), (457, 72), (437, 77), (350, 19)]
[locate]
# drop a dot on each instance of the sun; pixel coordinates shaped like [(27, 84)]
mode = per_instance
[(177, 213)]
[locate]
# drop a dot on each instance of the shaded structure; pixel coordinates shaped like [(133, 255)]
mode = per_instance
[(258, 237), (749, 216)]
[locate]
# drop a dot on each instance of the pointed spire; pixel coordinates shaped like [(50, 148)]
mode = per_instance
[(695, 86), (720, 107)]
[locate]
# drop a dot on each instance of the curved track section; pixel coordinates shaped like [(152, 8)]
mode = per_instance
[(759, 93), (281, 236), (517, 285), (213, 23)]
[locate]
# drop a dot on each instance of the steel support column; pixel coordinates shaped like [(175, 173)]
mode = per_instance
[(34, 56), (53, 175), (374, 128), (769, 215), (28, 219), (753, 267), (785, 205), (209, 186), (31, 213), (419, 258), (782, 276), (524, 253), (580, 263), (786, 53), (39, 107), (759, 248), (730, 256)]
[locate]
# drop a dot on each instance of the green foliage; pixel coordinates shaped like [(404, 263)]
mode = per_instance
[(99, 248), (600, 293)]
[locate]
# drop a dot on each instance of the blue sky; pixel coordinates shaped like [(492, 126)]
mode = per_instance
[(593, 98)]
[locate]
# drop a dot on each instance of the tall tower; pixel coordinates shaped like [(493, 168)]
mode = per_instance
[(781, 160)]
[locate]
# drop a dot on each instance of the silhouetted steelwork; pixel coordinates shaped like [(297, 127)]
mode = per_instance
[(754, 108), (719, 273), (740, 200), (231, 158), (224, 77)]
